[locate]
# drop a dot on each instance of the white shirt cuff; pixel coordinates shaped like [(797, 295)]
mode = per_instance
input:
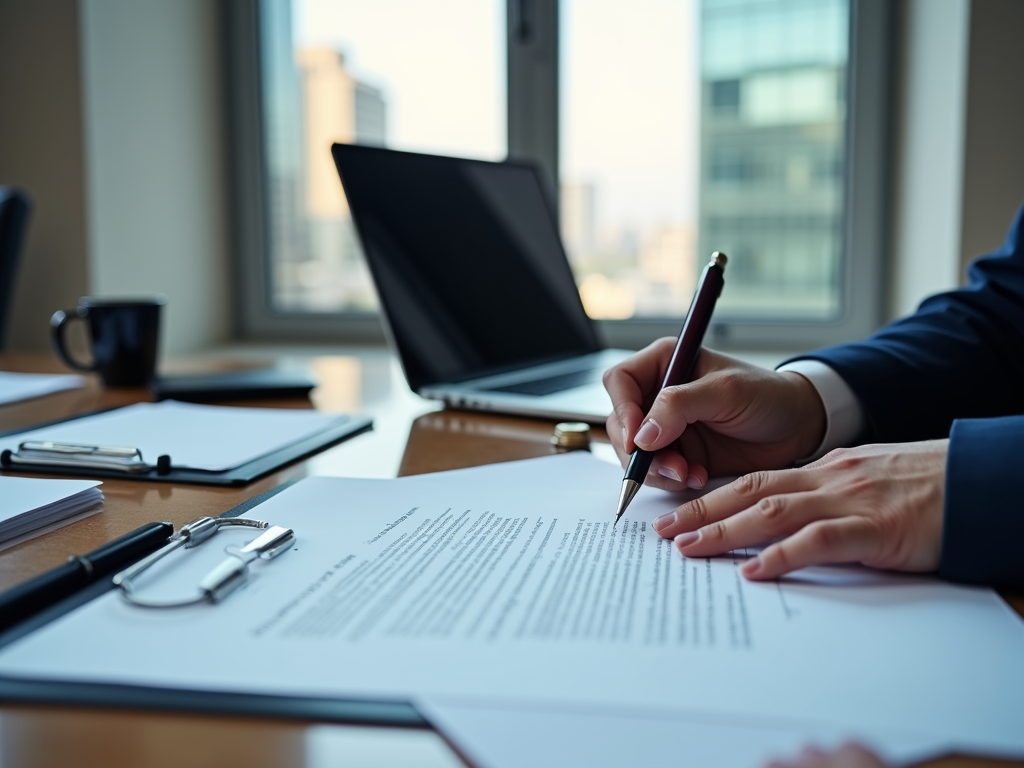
[(844, 417)]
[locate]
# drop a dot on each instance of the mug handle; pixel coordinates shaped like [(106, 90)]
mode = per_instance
[(58, 322)]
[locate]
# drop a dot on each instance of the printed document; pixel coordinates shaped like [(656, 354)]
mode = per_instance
[(509, 583)]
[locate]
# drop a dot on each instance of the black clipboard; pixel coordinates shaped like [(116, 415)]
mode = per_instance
[(238, 476), (14, 691)]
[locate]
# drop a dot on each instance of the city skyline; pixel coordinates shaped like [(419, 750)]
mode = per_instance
[(668, 147)]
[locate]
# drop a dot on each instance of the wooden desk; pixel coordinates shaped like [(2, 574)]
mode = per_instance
[(410, 437)]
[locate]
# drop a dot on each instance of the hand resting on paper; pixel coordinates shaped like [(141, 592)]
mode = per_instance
[(880, 505)]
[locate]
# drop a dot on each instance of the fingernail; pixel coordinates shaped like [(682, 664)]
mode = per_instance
[(648, 433), (686, 539), (751, 567), (625, 437), (694, 482), (670, 473), (665, 521)]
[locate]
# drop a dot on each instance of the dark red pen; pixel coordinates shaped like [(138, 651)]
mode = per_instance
[(680, 367)]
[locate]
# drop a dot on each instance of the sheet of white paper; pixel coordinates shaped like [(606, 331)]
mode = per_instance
[(45, 528), (15, 387), (19, 495), (507, 582), (495, 736), (209, 437), (30, 503)]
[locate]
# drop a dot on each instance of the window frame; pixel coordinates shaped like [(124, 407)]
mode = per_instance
[(533, 106)]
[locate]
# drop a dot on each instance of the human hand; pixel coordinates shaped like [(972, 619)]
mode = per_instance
[(880, 505), (731, 418), (847, 756)]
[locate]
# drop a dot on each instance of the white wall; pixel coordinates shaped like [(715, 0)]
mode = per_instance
[(930, 102), (993, 177), (959, 159), (41, 151), (155, 176)]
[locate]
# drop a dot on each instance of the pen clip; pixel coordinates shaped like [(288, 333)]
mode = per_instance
[(78, 455), (268, 545), (80, 449)]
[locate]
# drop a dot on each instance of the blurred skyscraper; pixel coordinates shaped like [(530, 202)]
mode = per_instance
[(576, 211), (282, 104), (336, 107), (773, 109)]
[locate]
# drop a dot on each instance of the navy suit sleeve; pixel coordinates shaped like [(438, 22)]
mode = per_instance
[(956, 368), (961, 355), (983, 530)]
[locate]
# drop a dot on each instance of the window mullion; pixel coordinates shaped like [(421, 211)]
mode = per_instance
[(533, 86)]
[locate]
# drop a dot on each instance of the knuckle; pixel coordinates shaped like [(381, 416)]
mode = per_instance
[(672, 398), (752, 484), (729, 386), (838, 454), (846, 460), (822, 537), (778, 558), (771, 507), (697, 511), (713, 532), (620, 413)]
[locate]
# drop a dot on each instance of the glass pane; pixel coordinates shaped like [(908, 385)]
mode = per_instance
[(417, 76), (691, 127)]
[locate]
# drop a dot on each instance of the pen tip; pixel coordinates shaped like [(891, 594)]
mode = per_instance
[(629, 490)]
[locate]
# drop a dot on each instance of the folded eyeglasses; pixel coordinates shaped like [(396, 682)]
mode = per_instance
[(225, 578)]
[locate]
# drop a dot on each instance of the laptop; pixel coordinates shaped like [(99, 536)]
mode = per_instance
[(476, 292)]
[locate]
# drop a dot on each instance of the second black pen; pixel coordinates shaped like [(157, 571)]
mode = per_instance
[(35, 595)]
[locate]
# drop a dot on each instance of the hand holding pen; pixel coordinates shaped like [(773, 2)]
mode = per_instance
[(727, 418)]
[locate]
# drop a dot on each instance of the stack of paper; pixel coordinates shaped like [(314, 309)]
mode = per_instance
[(15, 387), (28, 504)]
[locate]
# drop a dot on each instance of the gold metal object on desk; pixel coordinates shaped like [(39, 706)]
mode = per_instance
[(572, 436)]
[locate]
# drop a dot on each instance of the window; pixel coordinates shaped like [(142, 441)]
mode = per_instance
[(773, 139), (403, 74), (674, 128)]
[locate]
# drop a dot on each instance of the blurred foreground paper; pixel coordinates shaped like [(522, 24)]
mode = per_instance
[(508, 584), (496, 736), (15, 387)]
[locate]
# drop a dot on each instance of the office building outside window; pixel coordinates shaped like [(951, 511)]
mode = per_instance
[(711, 125), (683, 128), (402, 74), (773, 130)]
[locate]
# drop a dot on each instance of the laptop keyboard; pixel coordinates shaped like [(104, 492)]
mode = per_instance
[(551, 384)]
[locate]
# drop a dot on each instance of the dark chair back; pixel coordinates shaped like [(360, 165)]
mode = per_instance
[(14, 211)]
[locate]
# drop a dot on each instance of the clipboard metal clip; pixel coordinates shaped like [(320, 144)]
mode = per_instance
[(223, 579), (115, 458)]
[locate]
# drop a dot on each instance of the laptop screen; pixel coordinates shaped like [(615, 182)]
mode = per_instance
[(467, 262)]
